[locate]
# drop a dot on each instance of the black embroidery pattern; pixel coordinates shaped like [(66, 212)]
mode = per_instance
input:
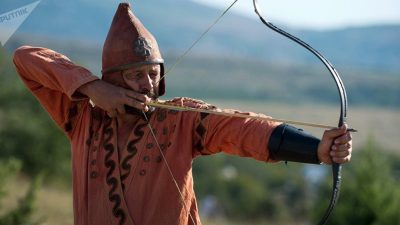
[(95, 123), (200, 132), (89, 140), (111, 165), (161, 115), (173, 112), (73, 112), (132, 152), (97, 114)]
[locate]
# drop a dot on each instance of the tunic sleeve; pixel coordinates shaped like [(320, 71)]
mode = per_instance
[(53, 79), (237, 136)]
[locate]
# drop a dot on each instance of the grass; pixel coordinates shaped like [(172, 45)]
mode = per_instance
[(55, 202), (54, 205)]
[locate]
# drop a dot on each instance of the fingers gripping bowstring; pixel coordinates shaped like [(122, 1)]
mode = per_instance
[(181, 57)]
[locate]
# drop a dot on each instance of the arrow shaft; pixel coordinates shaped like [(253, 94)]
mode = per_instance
[(184, 108)]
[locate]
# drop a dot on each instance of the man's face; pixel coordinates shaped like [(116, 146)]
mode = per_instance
[(144, 79)]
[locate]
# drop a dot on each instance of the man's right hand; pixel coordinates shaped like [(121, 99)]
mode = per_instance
[(112, 98)]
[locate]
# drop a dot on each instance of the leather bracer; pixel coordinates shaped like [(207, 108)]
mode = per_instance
[(288, 143)]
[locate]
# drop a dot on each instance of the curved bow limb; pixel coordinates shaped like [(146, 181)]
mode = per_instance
[(336, 168)]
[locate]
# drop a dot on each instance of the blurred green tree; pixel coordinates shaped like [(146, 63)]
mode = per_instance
[(23, 213), (370, 193), (246, 190), (26, 131)]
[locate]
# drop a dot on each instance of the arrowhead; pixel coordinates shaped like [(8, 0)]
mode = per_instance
[(10, 21)]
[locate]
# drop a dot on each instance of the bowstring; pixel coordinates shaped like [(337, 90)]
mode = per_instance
[(336, 168), (168, 71), (168, 167), (183, 55)]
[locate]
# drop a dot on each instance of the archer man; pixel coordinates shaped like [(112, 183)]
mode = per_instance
[(132, 163)]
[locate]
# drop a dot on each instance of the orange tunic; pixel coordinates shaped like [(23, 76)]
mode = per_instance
[(132, 185)]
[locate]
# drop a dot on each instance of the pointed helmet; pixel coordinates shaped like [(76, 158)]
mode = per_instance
[(129, 44)]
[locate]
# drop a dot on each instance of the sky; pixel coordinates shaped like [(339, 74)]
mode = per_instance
[(319, 14)]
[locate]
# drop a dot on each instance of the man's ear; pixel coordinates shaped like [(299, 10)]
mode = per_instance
[(161, 84)]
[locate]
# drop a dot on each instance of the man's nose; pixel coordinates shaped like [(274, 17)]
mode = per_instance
[(147, 84)]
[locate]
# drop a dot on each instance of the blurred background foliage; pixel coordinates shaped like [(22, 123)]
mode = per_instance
[(256, 70), (226, 186), (26, 131)]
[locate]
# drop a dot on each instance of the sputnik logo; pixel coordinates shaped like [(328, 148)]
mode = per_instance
[(10, 21)]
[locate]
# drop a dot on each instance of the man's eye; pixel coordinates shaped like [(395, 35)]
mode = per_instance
[(153, 75), (133, 76)]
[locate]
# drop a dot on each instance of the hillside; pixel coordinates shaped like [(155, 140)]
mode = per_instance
[(177, 23), (240, 78), (250, 61)]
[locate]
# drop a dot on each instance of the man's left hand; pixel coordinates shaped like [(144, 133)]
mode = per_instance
[(335, 146)]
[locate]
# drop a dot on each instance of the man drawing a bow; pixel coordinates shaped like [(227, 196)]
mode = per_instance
[(132, 164)]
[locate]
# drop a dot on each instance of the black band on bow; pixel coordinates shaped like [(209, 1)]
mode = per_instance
[(336, 168)]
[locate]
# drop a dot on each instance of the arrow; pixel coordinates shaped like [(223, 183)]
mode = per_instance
[(185, 108)]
